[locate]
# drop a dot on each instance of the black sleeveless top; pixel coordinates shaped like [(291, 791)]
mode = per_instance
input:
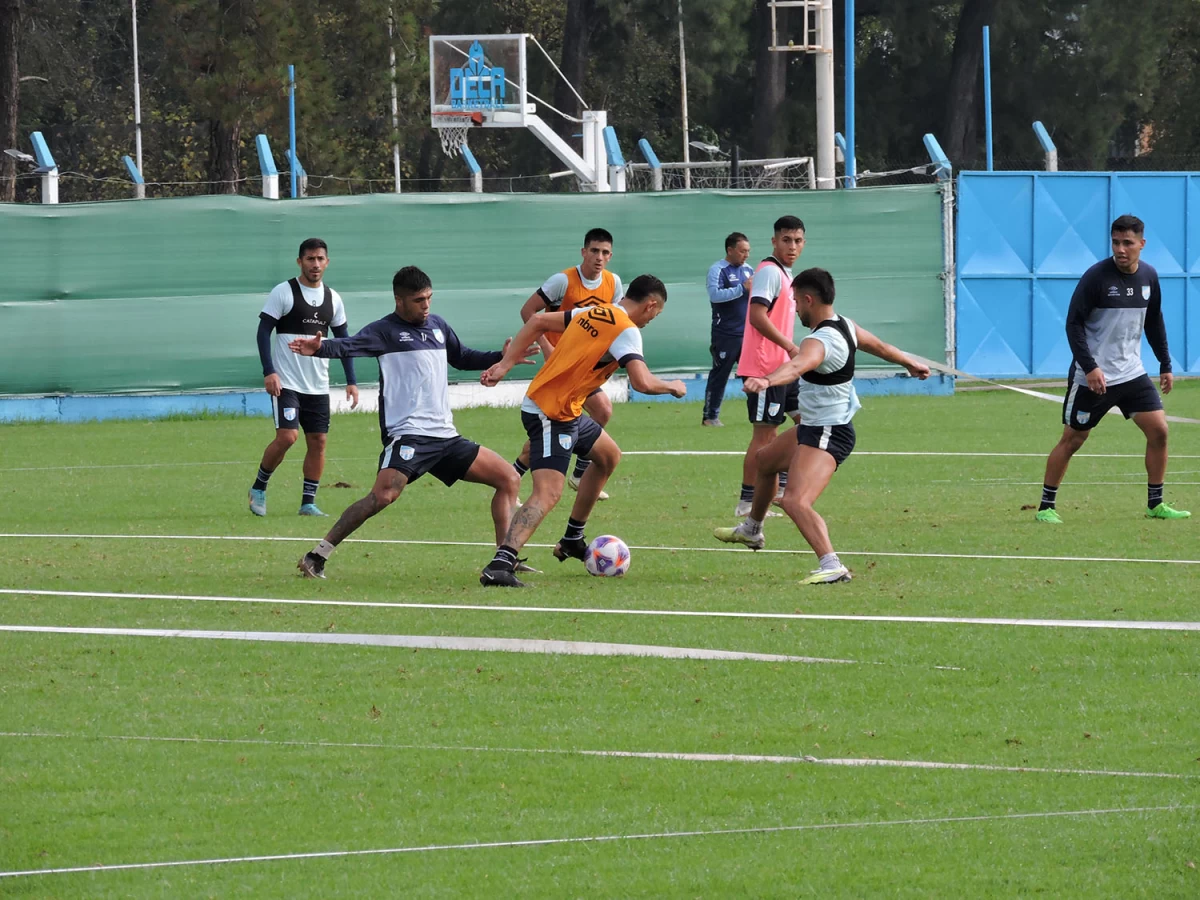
[(305, 319), (846, 372)]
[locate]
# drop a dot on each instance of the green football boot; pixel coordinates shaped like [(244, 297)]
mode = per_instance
[(1162, 511), (1049, 516)]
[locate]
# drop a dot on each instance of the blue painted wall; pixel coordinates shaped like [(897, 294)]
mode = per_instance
[(1023, 240)]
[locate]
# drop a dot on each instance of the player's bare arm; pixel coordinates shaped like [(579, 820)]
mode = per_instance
[(868, 343), (643, 380), (763, 325), (809, 355), (540, 324), (534, 305)]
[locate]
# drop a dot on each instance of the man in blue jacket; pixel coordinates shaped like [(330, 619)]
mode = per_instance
[(727, 280)]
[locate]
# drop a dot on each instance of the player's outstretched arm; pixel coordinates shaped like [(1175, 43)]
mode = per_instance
[(517, 349), (306, 346), (873, 345), (809, 355), (643, 380)]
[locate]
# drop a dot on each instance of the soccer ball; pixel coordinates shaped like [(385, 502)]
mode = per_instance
[(607, 555)]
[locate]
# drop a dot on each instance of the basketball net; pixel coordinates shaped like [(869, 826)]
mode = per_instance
[(453, 134)]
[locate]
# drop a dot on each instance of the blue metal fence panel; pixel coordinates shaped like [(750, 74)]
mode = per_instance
[(1024, 238)]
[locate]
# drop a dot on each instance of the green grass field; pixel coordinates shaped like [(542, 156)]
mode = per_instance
[(127, 750)]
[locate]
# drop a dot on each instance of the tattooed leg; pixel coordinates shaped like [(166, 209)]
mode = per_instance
[(388, 485), (547, 489)]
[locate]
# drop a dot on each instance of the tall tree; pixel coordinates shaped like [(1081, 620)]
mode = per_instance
[(770, 82), (960, 127), (10, 95)]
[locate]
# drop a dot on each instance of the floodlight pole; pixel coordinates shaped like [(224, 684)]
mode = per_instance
[(140, 189), (848, 154), (826, 172), (395, 107), (987, 92), (292, 129), (687, 156)]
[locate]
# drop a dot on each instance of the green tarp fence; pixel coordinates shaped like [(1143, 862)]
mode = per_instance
[(164, 295)]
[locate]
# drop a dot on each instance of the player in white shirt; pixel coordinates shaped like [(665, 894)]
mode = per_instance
[(813, 450), (299, 386)]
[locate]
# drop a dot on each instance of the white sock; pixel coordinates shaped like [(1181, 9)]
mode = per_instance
[(324, 549), (751, 526), (830, 561)]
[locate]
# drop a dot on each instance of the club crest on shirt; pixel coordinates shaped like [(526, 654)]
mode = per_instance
[(289, 414), (564, 441), (1145, 292), (437, 333), (772, 409), (406, 453)]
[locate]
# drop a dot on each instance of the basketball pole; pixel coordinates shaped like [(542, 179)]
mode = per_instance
[(292, 128), (395, 106), (687, 155), (826, 171), (987, 92)]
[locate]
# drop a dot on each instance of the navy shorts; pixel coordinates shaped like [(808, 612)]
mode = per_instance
[(1083, 409), (293, 410), (447, 459), (551, 443), (836, 440), (775, 404)]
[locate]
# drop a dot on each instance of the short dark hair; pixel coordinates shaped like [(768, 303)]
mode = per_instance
[(732, 240), (312, 244), (788, 223), (1129, 222), (815, 281), (645, 285), (596, 234), (409, 280)]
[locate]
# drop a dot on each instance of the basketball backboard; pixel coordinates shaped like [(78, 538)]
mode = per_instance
[(480, 77)]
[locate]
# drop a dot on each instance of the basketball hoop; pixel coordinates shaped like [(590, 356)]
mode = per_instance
[(452, 129)]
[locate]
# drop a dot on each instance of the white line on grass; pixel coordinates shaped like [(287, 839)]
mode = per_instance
[(606, 838), (619, 754), (422, 642), (1113, 624), (246, 462), (651, 548)]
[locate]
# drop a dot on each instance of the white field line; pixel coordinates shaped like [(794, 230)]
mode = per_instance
[(1110, 624), (651, 548), (607, 838), (341, 459), (854, 762), (990, 483), (422, 642)]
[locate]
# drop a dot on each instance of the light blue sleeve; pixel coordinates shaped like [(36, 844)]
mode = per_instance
[(716, 293), (628, 343)]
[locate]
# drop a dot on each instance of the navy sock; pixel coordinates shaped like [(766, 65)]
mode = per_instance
[(1153, 495), (505, 558), (747, 493), (260, 481), (310, 491), (1049, 497), (782, 480), (520, 467), (581, 466), (574, 530)]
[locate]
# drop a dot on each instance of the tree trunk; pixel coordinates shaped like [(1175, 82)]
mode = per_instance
[(10, 96), (770, 83), (576, 34), (224, 164), (960, 127)]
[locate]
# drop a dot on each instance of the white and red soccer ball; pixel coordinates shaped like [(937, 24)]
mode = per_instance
[(607, 555)]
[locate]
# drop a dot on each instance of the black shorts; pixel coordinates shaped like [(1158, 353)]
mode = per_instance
[(293, 410), (551, 443), (775, 404), (1083, 409), (836, 440), (447, 459)]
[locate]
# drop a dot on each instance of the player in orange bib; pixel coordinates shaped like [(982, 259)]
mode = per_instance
[(593, 341), (587, 284)]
